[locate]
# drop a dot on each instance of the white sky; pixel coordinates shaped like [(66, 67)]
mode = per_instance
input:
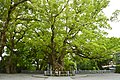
[(113, 5)]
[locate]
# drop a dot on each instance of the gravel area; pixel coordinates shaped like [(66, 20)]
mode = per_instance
[(107, 76)]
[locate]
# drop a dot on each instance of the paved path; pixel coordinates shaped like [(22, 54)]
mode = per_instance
[(59, 78), (106, 76), (19, 77)]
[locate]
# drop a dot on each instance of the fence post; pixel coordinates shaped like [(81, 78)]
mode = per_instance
[(73, 73), (45, 73), (59, 73), (50, 73), (68, 73)]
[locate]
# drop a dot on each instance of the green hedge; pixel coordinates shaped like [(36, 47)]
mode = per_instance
[(117, 69)]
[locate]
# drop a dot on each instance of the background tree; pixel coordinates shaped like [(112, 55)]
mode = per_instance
[(11, 31)]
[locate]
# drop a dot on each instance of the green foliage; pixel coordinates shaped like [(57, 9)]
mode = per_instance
[(42, 30), (117, 70), (69, 63), (86, 64)]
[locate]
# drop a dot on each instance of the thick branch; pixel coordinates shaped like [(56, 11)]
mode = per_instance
[(84, 55), (28, 19), (20, 37), (16, 4), (52, 39), (62, 9)]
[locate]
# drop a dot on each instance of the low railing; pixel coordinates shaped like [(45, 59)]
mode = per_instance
[(32, 72), (59, 73), (67, 73), (94, 71)]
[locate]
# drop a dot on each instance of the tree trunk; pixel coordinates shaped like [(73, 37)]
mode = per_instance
[(58, 66), (41, 65), (2, 42), (37, 67), (10, 65), (57, 63)]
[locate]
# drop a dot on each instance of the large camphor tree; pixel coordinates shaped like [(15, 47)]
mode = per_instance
[(70, 27)]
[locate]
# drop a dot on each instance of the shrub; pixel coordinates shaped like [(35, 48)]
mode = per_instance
[(117, 69)]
